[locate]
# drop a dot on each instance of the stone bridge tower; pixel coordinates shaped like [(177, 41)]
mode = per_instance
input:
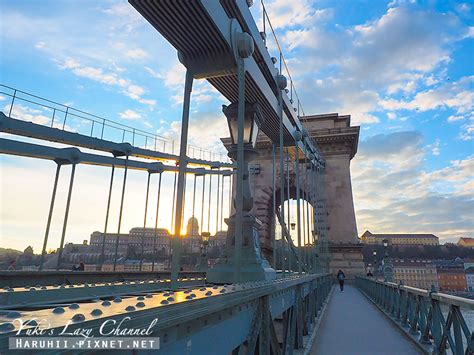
[(337, 141)]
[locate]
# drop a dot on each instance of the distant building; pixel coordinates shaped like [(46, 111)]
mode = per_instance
[(192, 240), (218, 240), (415, 273), (399, 239), (451, 279), (160, 238), (470, 280), (466, 242)]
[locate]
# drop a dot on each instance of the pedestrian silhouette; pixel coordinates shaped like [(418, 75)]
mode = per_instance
[(341, 277)]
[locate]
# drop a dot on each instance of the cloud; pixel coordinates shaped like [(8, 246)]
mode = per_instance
[(130, 115), (361, 69), (285, 14), (408, 198), (456, 95), (467, 131), (136, 54), (131, 90), (39, 115)]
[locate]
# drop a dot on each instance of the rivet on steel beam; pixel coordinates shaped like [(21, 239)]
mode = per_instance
[(140, 298), (73, 306), (149, 295), (58, 310), (164, 302), (96, 312), (13, 314), (106, 303), (170, 299), (79, 317), (117, 299), (130, 309), (140, 304), (6, 327), (208, 293)]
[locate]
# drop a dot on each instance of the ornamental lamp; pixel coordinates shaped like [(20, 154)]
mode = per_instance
[(253, 120)]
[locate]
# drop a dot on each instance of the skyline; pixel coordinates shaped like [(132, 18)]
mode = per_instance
[(401, 70)]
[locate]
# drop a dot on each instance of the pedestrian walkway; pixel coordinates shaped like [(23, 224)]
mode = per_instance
[(353, 325)]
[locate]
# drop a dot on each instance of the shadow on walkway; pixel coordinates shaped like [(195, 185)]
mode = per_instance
[(353, 325)]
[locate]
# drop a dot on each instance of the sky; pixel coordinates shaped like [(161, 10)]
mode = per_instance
[(402, 70)]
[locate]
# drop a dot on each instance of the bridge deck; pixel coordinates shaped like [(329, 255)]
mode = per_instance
[(352, 325)]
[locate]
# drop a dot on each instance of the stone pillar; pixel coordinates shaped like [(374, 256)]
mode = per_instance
[(337, 141)]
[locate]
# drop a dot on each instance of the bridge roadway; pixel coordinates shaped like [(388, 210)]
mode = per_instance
[(353, 325)]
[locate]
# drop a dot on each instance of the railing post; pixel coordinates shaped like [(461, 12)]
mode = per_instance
[(52, 119), (11, 105), (178, 213), (50, 216), (65, 117)]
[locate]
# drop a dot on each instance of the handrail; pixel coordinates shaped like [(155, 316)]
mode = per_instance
[(419, 312), (68, 111)]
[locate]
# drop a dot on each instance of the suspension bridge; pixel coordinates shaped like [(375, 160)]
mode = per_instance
[(265, 294)]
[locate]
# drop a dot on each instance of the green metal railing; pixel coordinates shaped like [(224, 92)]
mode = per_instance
[(420, 313)]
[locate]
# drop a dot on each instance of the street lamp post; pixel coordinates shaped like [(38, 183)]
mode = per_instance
[(387, 267), (374, 253), (202, 266), (252, 265)]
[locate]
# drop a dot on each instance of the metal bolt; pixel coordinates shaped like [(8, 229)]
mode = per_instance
[(73, 306), (6, 327), (208, 293), (13, 314), (140, 298), (117, 299), (164, 302), (130, 309), (96, 312), (106, 303), (140, 304), (171, 299), (79, 317)]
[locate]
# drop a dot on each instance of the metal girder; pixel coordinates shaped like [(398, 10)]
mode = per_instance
[(75, 156), (46, 295), (186, 319), (37, 131), (202, 32)]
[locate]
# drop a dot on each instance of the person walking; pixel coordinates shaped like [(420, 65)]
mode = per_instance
[(341, 277)]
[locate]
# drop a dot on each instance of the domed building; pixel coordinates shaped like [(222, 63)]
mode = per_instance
[(192, 228), (192, 241)]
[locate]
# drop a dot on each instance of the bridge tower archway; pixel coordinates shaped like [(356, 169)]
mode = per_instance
[(337, 142)]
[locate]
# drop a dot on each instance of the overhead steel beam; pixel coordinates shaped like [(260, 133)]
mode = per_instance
[(201, 31)]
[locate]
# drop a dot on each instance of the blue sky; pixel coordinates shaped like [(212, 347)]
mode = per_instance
[(402, 69)]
